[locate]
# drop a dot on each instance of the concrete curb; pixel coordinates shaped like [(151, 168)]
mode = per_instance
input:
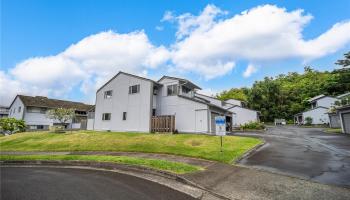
[(115, 166), (251, 151)]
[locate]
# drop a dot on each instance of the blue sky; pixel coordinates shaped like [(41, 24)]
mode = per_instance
[(36, 36)]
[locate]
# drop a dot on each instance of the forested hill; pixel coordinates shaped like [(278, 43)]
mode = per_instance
[(287, 94)]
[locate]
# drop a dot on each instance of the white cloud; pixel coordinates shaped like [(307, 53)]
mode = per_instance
[(251, 69), (159, 28), (86, 65), (210, 45), (168, 16)]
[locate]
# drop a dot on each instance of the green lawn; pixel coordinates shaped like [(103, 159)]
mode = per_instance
[(193, 145), (174, 167)]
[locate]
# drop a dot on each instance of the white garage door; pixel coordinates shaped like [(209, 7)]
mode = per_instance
[(346, 122)]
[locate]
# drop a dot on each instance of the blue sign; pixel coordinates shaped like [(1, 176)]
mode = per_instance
[(219, 120)]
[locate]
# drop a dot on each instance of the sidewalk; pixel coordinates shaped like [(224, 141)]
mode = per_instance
[(236, 182)]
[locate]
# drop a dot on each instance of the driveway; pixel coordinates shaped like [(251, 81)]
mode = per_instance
[(304, 152), (42, 183)]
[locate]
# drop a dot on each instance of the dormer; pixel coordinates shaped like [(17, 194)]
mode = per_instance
[(177, 86)]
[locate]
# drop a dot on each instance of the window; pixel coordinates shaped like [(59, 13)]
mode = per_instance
[(172, 90), (19, 109), (14, 110), (153, 112), (124, 115), (106, 116), (108, 94), (40, 127), (134, 89), (186, 90)]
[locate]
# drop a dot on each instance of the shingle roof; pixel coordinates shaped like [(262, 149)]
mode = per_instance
[(40, 101)]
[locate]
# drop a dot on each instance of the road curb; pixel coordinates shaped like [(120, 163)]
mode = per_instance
[(251, 151), (114, 166)]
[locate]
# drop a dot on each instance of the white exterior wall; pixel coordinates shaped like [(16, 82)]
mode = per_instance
[(13, 113), (190, 116), (319, 115), (90, 124), (137, 106), (37, 119), (326, 102), (242, 116)]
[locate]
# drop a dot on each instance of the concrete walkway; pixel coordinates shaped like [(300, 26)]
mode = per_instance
[(235, 182)]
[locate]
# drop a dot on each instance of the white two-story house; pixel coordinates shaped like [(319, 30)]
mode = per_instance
[(33, 110), (319, 110), (127, 103)]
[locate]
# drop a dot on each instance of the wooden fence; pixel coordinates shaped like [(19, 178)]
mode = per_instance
[(165, 123)]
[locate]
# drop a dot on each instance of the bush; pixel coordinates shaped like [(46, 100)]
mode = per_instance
[(253, 125), (308, 121), (12, 125)]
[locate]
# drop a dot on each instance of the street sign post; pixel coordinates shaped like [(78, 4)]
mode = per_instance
[(220, 129)]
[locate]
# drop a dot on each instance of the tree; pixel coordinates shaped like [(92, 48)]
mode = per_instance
[(344, 62), (287, 94), (63, 115), (12, 125)]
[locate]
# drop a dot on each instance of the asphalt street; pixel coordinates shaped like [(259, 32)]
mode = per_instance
[(43, 183), (304, 152)]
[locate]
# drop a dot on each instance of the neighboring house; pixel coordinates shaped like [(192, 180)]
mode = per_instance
[(33, 110), (344, 115), (128, 102), (240, 113), (4, 111), (320, 106)]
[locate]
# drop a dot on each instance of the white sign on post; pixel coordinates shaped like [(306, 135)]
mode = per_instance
[(220, 122)]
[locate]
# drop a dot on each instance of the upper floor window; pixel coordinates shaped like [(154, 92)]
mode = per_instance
[(172, 90), (134, 89), (106, 116), (108, 94), (19, 109), (124, 115), (186, 90)]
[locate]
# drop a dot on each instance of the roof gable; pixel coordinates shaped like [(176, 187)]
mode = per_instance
[(132, 75)]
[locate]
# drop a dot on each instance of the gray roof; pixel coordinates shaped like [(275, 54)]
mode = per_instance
[(344, 95), (40, 101)]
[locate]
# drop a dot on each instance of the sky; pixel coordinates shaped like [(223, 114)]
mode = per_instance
[(67, 49)]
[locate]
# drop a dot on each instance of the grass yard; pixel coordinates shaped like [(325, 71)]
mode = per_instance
[(174, 167), (193, 145)]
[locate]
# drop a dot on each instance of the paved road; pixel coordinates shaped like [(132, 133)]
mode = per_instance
[(40, 183), (304, 152)]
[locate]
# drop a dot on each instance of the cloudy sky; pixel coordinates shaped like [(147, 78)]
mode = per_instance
[(67, 49)]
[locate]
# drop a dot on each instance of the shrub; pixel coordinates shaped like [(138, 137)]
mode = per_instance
[(12, 125), (308, 121), (253, 125)]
